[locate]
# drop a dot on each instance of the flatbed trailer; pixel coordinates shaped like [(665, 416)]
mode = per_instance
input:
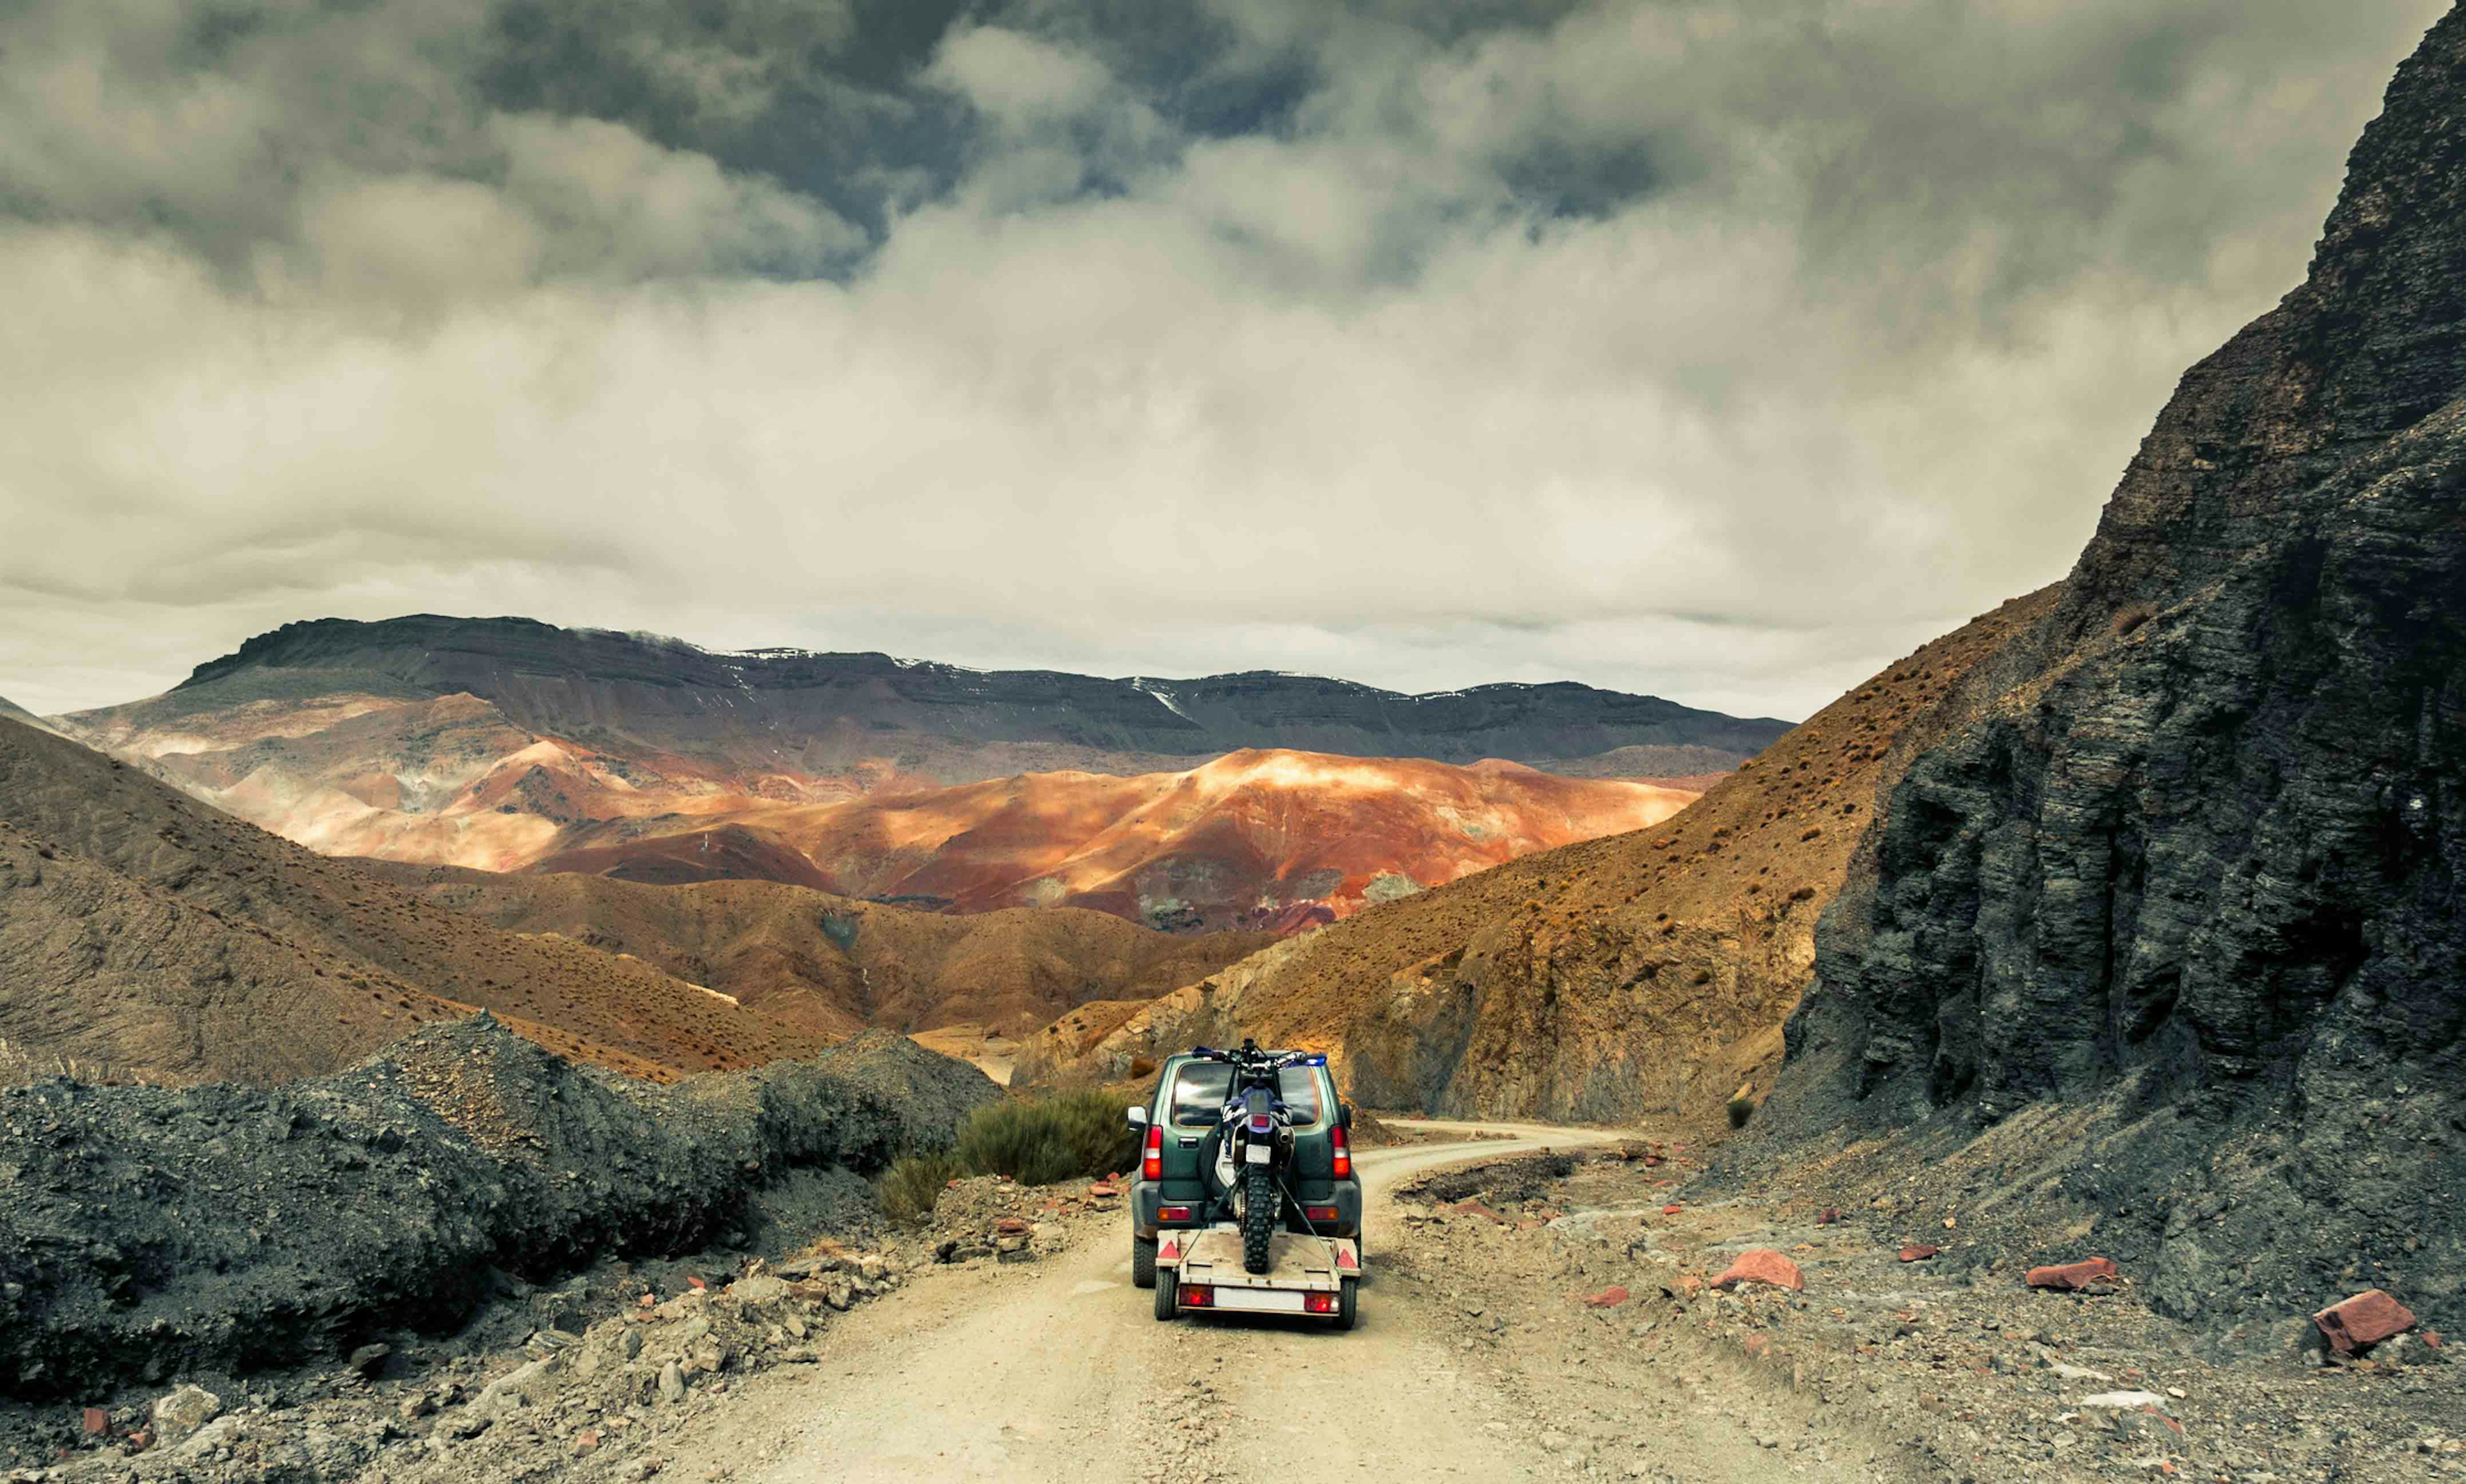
[(1199, 1271)]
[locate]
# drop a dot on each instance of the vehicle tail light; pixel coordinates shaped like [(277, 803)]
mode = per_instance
[(1261, 1123), (1343, 1143), (1152, 1162), (1173, 1213), (1321, 1213), (1198, 1295), (1318, 1303)]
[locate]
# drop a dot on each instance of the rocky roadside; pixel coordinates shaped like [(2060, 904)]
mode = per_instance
[(1589, 1283), (594, 1381)]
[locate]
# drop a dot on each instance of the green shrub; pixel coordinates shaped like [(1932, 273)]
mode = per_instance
[(909, 1188), (1037, 1141), (1742, 1107)]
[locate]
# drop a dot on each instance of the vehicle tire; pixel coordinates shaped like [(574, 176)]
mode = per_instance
[(1143, 1262), (1346, 1302), (1165, 1290), (1260, 1203)]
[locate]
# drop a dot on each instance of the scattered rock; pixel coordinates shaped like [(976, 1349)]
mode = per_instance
[(180, 1414), (1762, 1265), (2363, 1321), (369, 1361), (2125, 1399), (672, 1382), (761, 1289), (2086, 1276), (1608, 1298), (1917, 1253)]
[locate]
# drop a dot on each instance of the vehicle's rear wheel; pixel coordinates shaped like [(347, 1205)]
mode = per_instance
[(1258, 1213), (1142, 1261), (1345, 1302), (1165, 1291)]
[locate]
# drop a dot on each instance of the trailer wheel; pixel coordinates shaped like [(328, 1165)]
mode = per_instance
[(1345, 1302), (1167, 1287), (1143, 1262)]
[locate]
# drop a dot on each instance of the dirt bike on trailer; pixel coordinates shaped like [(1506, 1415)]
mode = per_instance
[(1246, 1200)]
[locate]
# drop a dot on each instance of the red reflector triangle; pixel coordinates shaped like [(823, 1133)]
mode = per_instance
[(1343, 1259), (1168, 1250)]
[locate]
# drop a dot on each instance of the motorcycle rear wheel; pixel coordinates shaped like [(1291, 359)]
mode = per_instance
[(1260, 1208)]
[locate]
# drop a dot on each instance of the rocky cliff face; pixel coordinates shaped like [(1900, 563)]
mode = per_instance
[(2200, 868)]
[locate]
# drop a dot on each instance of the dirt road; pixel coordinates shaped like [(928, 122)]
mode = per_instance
[(1069, 1377)]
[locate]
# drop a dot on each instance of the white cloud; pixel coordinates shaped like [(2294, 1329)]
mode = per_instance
[(1418, 382)]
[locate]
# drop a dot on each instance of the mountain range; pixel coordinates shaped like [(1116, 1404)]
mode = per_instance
[(510, 745)]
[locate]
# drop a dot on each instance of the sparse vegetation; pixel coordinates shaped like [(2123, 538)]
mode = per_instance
[(1034, 1140), (909, 1188), (1742, 1107)]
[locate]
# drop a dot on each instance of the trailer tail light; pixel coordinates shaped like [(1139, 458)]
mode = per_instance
[(1321, 1213), (1152, 1161), (1173, 1213), (1197, 1295), (1343, 1143), (1318, 1303)]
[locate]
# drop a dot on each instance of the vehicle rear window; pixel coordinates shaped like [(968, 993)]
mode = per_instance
[(1198, 1091), (1299, 1087)]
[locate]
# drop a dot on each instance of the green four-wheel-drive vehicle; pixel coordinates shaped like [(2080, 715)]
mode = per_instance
[(1246, 1197)]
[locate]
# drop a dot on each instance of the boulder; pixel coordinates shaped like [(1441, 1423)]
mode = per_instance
[(179, 1413), (760, 1288), (1762, 1265), (2363, 1321)]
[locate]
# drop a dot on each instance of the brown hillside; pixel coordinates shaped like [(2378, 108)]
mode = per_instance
[(322, 923), (1645, 972), (832, 965)]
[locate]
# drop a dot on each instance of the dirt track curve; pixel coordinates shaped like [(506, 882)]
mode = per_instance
[(1069, 1377)]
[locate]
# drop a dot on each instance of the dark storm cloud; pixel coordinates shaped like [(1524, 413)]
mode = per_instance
[(1717, 348)]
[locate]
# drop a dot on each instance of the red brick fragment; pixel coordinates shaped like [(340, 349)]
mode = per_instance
[(2363, 1321), (1757, 1345), (1608, 1298), (1476, 1208), (1919, 1253), (1826, 1217), (698, 1284), (1762, 1265), (97, 1422), (141, 1440), (2089, 1273), (1672, 1210), (1010, 1226)]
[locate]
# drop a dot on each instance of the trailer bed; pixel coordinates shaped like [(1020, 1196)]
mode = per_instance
[(1302, 1272)]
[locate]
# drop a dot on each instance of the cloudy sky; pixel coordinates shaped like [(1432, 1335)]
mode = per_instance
[(1718, 349)]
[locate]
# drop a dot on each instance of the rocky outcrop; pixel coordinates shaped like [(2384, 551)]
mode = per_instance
[(2199, 868), (151, 1232)]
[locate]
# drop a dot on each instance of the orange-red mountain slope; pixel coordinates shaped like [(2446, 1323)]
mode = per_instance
[(1650, 972), (831, 965), (1272, 839), (145, 932)]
